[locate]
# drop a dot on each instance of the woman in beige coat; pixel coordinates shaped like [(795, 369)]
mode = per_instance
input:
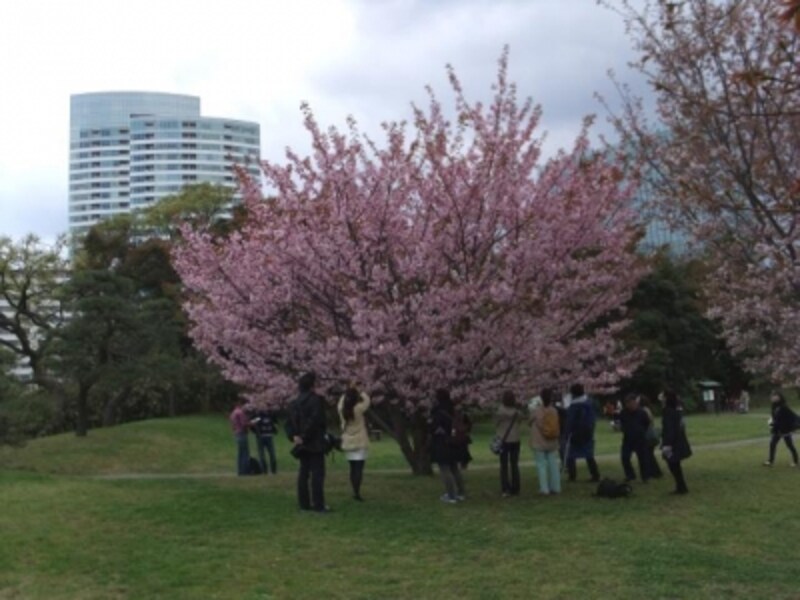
[(506, 423), (355, 436)]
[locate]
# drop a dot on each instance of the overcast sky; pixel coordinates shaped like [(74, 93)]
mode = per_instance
[(257, 60)]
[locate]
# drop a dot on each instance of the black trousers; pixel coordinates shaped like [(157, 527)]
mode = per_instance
[(646, 470), (311, 466), (356, 476), (509, 468), (677, 473), (572, 469), (773, 443)]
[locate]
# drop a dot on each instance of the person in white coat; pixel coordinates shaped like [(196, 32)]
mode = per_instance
[(355, 435)]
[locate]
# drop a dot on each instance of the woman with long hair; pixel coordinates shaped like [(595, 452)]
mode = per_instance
[(355, 435), (506, 423), (653, 436), (674, 443), (782, 423), (445, 451)]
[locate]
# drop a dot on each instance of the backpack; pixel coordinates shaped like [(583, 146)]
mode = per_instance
[(549, 426), (608, 488), (461, 429), (265, 424), (582, 425)]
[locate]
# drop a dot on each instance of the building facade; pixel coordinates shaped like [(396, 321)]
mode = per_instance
[(130, 149)]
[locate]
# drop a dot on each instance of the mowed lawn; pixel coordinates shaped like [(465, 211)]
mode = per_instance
[(68, 534)]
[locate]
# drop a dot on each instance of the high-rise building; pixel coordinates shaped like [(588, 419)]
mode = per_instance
[(130, 149)]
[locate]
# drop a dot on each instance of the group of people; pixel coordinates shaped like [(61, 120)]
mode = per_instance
[(561, 432), (264, 425)]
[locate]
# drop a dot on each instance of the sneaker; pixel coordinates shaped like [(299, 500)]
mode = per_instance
[(324, 510), (506, 495), (767, 463), (794, 464), (461, 498), (447, 499)]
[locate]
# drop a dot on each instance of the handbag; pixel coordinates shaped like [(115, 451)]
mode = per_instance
[(496, 445)]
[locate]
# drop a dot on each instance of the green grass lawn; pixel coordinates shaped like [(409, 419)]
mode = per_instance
[(68, 535), (203, 444)]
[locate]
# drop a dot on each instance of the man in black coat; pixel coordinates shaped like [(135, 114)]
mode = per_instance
[(634, 423), (305, 428)]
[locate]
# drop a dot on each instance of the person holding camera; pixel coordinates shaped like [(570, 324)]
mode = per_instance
[(305, 428), (355, 436)]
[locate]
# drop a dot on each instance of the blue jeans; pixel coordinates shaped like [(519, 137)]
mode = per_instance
[(243, 454), (267, 441), (549, 471)]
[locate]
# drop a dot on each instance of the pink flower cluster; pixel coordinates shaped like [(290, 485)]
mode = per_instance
[(450, 255)]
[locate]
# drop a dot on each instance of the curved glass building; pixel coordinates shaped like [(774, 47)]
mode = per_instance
[(130, 149)]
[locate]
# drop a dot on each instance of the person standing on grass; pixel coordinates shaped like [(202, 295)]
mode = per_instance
[(674, 443), (444, 452), (241, 427), (634, 423), (545, 441), (506, 424), (355, 436), (581, 420), (782, 424), (653, 438), (265, 426), (305, 428)]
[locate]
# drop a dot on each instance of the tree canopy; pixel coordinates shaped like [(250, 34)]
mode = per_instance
[(724, 158), (450, 255)]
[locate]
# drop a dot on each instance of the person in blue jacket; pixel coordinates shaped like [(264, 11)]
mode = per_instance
[(581, 420)]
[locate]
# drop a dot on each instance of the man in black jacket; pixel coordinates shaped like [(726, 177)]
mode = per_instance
[(305, 428), (634, 423)]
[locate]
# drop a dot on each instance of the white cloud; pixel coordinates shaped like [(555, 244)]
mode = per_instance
[(257, 60)]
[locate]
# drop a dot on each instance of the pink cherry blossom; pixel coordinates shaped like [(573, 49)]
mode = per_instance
[(449, 255)]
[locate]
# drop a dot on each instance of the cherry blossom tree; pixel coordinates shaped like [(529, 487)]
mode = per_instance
[(449, 256), (724, 153)]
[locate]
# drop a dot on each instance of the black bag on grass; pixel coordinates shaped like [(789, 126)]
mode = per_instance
[(608, 488), (254, 467)]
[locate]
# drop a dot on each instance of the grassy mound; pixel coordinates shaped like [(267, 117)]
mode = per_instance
[(72, 536), (203, 444)]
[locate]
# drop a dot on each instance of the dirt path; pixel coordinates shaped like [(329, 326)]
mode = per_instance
[(473, 467)]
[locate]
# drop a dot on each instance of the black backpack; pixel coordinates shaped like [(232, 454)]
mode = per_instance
[(608, 488)]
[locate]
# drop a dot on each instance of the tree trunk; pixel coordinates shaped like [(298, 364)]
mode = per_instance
[(82, 421), (110, 410), (172, 405), (411, 433)]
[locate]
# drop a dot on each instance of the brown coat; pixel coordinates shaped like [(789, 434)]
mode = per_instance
[(537, 440), (502, 420)]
